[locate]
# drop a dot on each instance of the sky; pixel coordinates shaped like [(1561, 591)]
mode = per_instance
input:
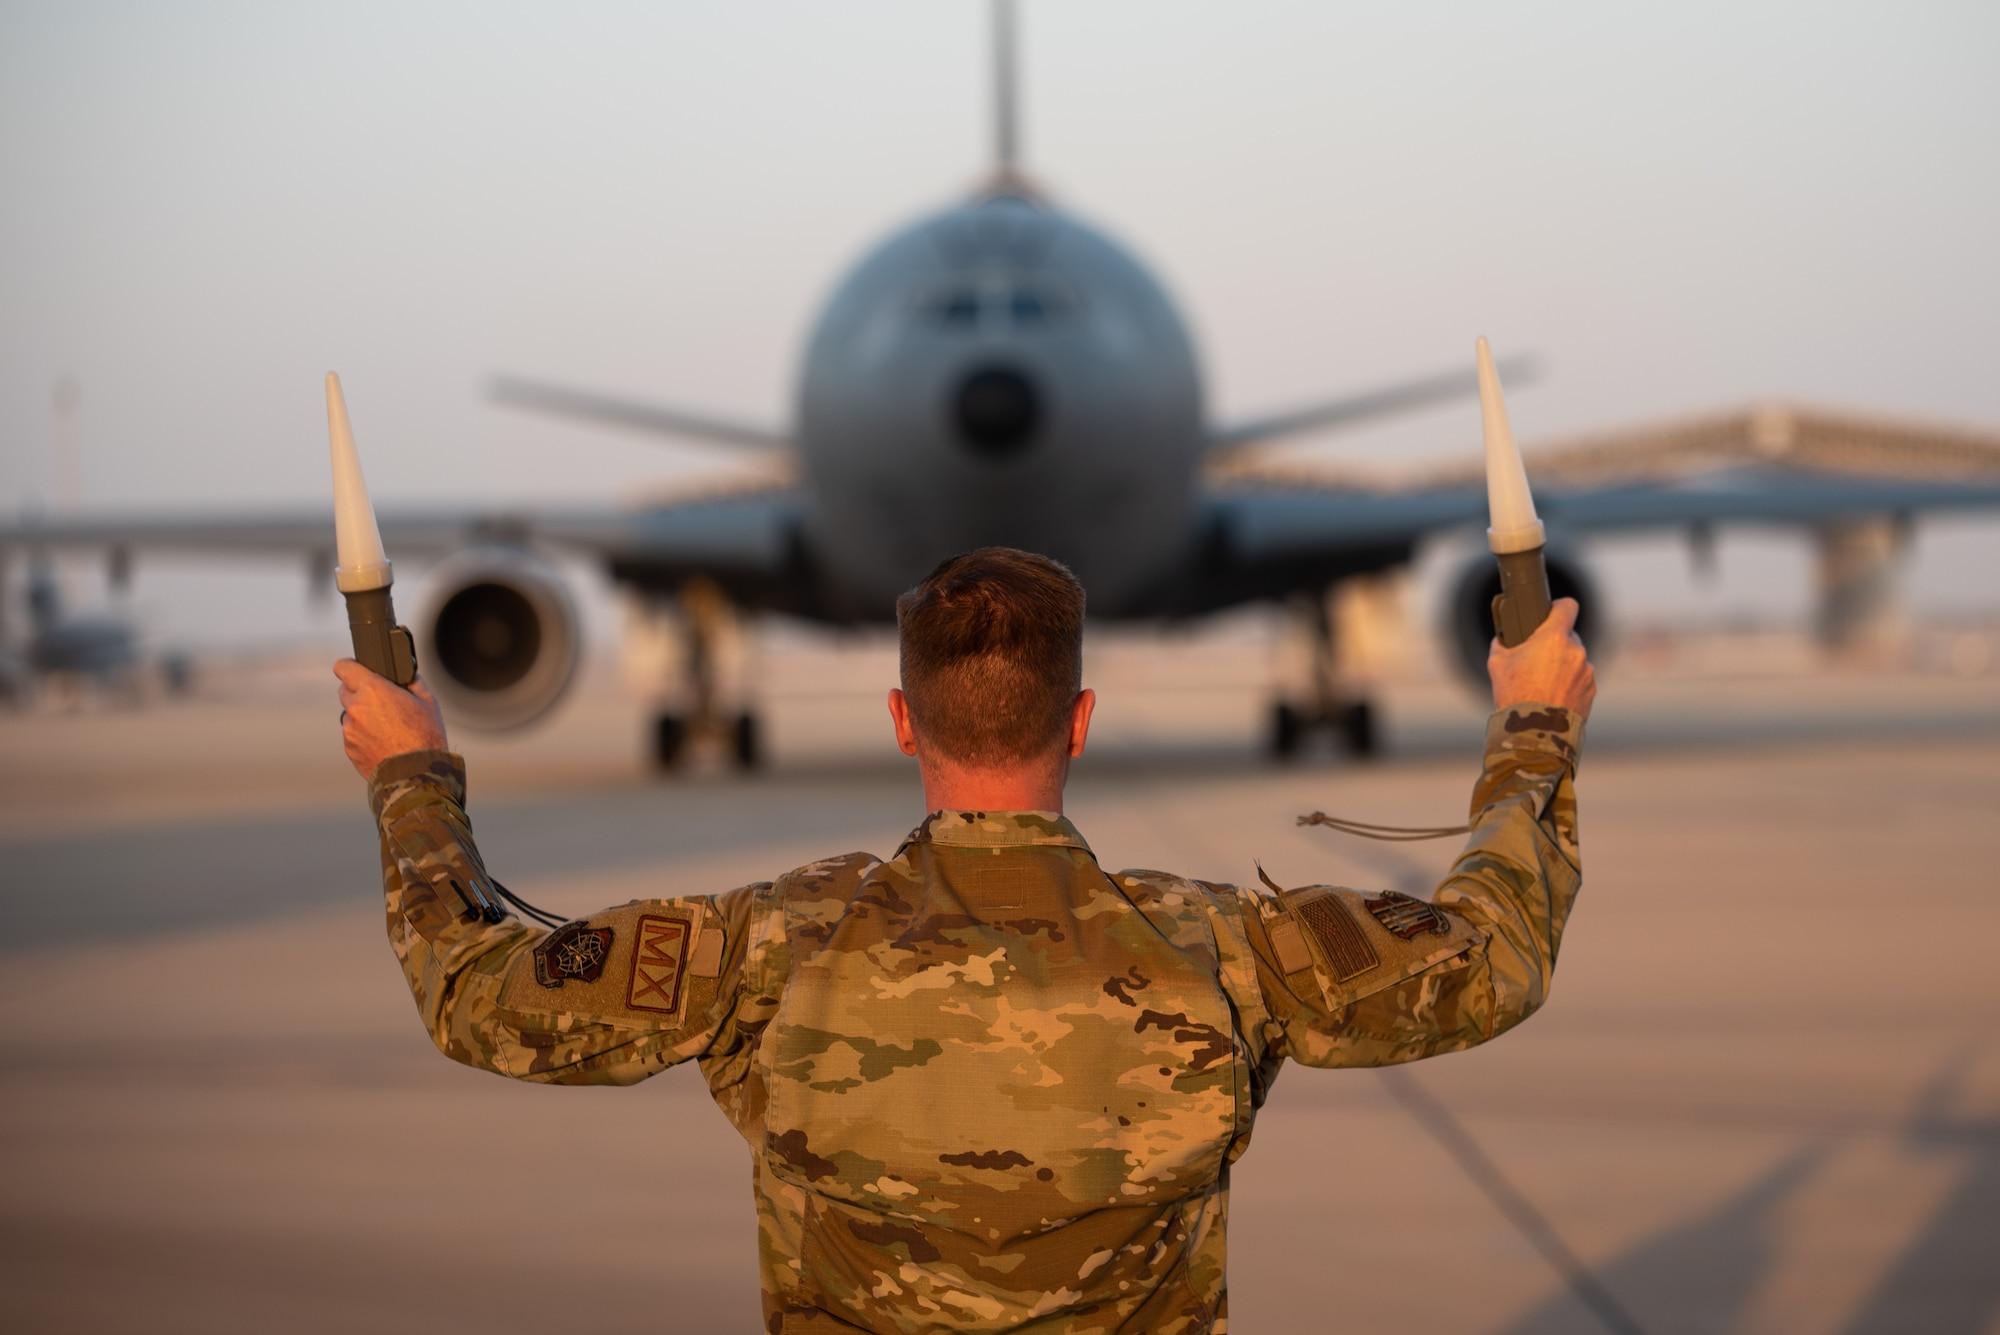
[(204, 207)]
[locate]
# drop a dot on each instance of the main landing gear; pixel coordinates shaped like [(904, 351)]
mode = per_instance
[(673, 734), (707, 613), (1329, 708), (1352, 724)]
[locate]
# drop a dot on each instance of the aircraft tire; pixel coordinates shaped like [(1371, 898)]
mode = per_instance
[(744, 742), (1288, 729), (669, 739), (1357, 729)]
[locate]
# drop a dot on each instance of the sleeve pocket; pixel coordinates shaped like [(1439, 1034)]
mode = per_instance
[(1346, 945), (653, 965)]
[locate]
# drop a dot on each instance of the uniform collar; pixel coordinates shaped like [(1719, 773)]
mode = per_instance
[(996, 829)]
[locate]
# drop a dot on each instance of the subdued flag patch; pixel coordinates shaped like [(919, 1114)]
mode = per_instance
[(1348, 954)]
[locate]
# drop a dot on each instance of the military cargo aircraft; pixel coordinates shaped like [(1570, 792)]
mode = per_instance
[(1001, 372), (102, 649)]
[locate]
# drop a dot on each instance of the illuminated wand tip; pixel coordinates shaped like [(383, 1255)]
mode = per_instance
[(1514, 526), (362, 563)]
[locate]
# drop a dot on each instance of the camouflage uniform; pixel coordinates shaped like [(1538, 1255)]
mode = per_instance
[(986, 1085)]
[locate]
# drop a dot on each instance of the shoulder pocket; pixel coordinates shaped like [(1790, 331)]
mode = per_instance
[(1350, 945), (650, 965)]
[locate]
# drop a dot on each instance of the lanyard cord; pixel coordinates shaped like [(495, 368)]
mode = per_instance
[(1388, 834), (542, 916)]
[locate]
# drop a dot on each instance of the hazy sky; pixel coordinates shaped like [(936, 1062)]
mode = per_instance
[(203, 207)]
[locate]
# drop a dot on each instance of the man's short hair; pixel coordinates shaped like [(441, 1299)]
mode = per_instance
[(992, 654)]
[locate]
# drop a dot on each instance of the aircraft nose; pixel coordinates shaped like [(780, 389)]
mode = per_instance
[(997, 411)]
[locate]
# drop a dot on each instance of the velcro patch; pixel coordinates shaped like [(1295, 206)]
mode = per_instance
[(659, 965), (707, 961), (1406, 916), (1290, 945), (1347, 952), (577, 951)]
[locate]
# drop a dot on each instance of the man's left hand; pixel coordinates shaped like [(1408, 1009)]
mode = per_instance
[(379, 719)]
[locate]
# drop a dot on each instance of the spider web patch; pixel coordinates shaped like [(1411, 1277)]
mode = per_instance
[(577, 951)]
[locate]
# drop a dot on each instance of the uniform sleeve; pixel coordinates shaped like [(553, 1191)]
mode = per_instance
[(1354, 979), (609, 999)]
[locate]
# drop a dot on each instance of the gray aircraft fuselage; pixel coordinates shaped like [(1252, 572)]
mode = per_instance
[(1000, 374)]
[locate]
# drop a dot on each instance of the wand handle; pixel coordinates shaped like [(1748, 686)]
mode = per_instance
[(380, 645), (1523, 601)]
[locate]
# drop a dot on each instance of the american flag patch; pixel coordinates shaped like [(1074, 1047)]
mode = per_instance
[(1406, 916)]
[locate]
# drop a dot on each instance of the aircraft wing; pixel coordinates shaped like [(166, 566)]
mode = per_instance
[(1271, 531), (655, 419), (230, 533), (743, 539), (1354, 409)]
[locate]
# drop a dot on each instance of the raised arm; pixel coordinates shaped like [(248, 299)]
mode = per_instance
[(608, 999), (1356, 979)]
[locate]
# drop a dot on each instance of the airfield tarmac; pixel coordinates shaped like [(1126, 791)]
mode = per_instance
[(1765, 1095)]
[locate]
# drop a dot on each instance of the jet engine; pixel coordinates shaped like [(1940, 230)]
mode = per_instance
[(1469, 614), (499, 636)]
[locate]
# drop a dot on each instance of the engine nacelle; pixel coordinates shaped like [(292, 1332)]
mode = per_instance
[(1469, 614), (499, 637)]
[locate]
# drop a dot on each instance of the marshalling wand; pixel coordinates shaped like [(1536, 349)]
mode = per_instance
[(363, 574), (1515, 533), (1516, 536), (363, 577)]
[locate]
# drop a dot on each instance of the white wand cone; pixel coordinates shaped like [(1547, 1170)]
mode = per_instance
[(1514, 526), (1515, 533), (362, 564), (362, 571)]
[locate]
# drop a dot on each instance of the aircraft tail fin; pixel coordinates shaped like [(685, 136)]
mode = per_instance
[(1006, 93)]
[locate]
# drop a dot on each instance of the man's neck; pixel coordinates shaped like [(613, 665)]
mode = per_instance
[(1036, 785)]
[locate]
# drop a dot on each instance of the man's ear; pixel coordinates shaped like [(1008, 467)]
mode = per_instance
[(1079, 720), (899, 713)]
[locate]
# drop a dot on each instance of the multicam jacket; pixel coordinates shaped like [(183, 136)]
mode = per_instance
[(988, 1086)]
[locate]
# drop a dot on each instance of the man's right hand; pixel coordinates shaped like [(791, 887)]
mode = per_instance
[(1547, 668)]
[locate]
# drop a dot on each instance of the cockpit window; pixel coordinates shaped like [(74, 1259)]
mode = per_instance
[(959, 308), (995, 305)]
